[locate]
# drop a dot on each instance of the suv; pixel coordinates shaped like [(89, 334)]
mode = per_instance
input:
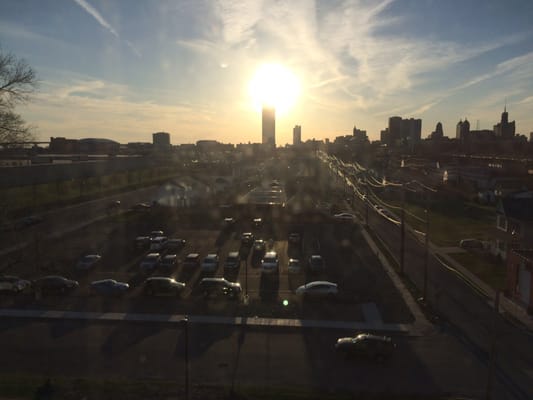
[(233, 260), (219, 287), (259, 248), (210, 263), (270, 263), (163, 286), (366, 345)]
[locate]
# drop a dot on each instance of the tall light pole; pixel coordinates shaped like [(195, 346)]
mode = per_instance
[(402, 232), (185, 322)]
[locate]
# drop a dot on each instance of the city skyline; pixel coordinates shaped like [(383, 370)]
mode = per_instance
[(123, 71)]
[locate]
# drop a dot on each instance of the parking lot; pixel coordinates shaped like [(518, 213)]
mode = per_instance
[(349, 262)]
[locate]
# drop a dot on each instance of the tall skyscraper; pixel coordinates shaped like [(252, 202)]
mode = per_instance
[(404, 130), (269, 126), (505, 129), (297, 135)]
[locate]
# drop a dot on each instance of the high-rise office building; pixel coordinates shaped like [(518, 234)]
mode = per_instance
[(462, 131), (404, 130), (505, 129), (269, 126), (297, 135)]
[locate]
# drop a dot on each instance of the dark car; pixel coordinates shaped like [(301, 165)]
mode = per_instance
[(169, 261), (163, 286), (259, 248), (192, 260), (366, 345), (233, 260), (316, 263), (175, 245), (109, 287), (247, 239), (29, 221), (216, 287), (142, 242), (13, 284), (54, 284)]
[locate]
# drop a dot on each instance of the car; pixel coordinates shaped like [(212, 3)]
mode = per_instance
[(295, 238), (228, 222), (54, 284), (142, 207), (13, 284), (316, 263), (219, 287), (294, 266), (471, 244), (210, 263), (155, 234), (109, 287), (318, 289), (259, 248), (142, 242), (247, 239), (345, 217), (257, 222), (366, 345), (175, 244), (112, 206), (270, 263), (88, 261), (169, 261), (150, 261), (28, 221), (191, 260), (233, 260), (162, 286), (158, 243)]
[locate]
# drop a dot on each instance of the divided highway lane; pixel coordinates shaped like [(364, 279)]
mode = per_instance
[(233, 356)]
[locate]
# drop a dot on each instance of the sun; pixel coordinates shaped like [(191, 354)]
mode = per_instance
[(275, 86)]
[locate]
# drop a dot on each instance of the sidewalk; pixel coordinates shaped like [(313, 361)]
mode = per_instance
[(205, 319)]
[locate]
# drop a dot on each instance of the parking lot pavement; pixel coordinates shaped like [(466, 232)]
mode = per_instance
[(349, 263)]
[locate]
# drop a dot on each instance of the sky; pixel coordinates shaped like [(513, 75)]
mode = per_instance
[(123, 69)]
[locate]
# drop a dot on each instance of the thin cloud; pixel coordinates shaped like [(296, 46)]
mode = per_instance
[(103, 22)]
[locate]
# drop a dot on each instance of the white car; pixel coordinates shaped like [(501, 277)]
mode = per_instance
[(88, 261), (150, 262), (318, 289), (210, 263), (270, 263), (345, 217)]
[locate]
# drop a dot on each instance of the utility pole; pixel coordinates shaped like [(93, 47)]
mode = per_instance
[(492, 357), (402, 232), (366, 203), (426, 257)]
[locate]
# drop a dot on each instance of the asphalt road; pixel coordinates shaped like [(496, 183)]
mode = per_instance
[(464, 310), (225, 355)]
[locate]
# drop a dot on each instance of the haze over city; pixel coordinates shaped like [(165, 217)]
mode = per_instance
[(123, 70)]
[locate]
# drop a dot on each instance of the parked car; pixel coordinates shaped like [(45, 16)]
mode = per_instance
[(247, 239), (471, 244), (54, 284), (174, 245), (155, 234), (169, 261), (210, 263), (142, 207), (294, 238), (345, 217), (366, 345), (192, 260), (163, 286), (158, 243), (316, 263), (233, 260), (109, 287), (13, 284), (257, 222), (318, 289), (270, 263), (88, 261), (259, 248), (219, 287), (28, 221), (294, 266), (142, 242), (228, 222), (150, 261)]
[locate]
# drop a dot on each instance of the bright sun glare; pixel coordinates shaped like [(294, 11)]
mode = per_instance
[(274, 85)]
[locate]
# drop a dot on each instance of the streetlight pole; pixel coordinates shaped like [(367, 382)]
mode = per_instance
[(185, 322), (246, 280), (402, 232), (426, 257), (492, 357)]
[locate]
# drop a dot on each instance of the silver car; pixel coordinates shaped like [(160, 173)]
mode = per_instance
[(318, 289)]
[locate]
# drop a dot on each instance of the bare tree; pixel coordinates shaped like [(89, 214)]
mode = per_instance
[(17, 82)]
